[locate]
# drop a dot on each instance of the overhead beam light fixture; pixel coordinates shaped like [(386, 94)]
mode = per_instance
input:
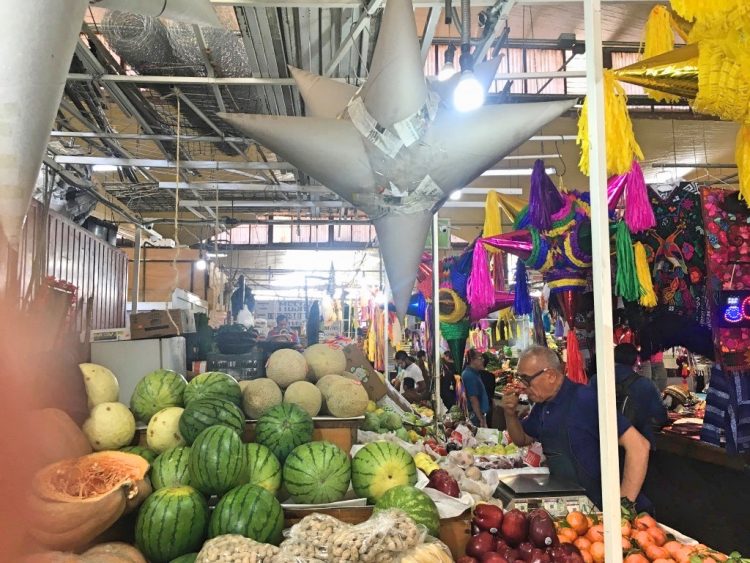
[(469, 92), (448, 69), (104, 168), (515, 172), (455, 196)]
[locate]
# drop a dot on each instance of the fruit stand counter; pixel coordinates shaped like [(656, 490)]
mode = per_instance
[(454, 532), (701, 491)]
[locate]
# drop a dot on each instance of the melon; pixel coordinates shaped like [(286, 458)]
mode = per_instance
[(213, 385), (170, 469), (283, 428), (325, 383), (199, 415), (261, 468), (415, 503), (172, 522), (380, 466), (248, 511), (147, 454), (163, 430), (216, 460), (347, 399), (285, 367), (324, 360), (317, 473), (101, 384), (110, 426), (305, 395), (260, 395), (156, 391)]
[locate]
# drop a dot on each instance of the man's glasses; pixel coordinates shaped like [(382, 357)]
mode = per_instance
[(527, 379)]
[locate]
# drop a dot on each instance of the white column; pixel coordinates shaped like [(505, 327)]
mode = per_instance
[(436, 312), (386, 319), (602, 283)]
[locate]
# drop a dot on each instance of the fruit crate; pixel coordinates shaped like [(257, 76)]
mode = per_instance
[(242, 367)]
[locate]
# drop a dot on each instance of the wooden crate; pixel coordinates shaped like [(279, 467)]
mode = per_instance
[(454, 532)]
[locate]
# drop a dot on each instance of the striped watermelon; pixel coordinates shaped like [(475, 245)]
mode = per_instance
[(216, 460), (249, 511), (187, 558), (158, 390), (213, 385), (261, 468), (380, 466), (317, 473), (171, 468), (147, 454), (417, 504), (283, 428), (171, 523), (199, 415)]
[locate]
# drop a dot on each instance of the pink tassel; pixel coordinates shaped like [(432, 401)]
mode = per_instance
[(480, 291), (639, 216)]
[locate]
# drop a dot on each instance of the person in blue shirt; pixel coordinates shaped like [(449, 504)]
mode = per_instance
[(641, 401), (565, 419), (476, 394)]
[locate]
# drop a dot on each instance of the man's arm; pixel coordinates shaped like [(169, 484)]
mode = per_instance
[(636, 462), (474, 400), (512, 423)]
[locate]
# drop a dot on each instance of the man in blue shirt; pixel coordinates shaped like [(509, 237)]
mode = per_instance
[(640, 399), (565, 419), (476, 394)]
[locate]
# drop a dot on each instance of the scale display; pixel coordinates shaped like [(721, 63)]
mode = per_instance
[(734, 309)]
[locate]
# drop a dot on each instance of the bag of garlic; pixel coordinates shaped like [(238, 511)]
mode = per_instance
[(309, 538), (431, 551)]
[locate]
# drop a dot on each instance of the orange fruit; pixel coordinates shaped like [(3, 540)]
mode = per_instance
[(626, 545), (670, 560), (589, 521), (655, 552), (644, 521), (569, 534), (582, 543), (597, 552), (626, 528), (587, 557), (643, 538), (636, 558), (577, 521), (660, 538), (673, 547), (595, 534)]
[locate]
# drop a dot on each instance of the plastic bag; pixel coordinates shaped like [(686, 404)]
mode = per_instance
[(431, 551), (232, 548), (298, 551), (365, 437), (379, 539), (309, 538)]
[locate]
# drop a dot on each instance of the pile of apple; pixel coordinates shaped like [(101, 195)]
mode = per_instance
[(515, 536)]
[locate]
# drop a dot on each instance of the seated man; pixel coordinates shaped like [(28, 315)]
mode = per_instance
[(408, 368), (565, 419), (281, 332), (409, 391)]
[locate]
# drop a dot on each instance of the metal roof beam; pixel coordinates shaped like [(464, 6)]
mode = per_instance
[(188, 164), (348, 41), (428, 33), (417, 3)]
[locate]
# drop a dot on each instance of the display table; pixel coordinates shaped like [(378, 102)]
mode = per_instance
[(454, 532)]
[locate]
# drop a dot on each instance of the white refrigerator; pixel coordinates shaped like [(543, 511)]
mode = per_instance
[(130, 360)]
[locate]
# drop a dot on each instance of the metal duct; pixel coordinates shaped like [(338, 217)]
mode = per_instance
[(227, 52), (142, 40)]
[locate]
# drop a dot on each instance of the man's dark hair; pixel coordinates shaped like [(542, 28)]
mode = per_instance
[(473, 354), (409, 383), (402, 356), (421, 355), (281, 318), (626, 354)]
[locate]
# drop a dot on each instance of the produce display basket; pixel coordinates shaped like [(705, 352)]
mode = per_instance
[(243, 367), (235, 342)]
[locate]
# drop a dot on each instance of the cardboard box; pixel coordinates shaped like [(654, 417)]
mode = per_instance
[(158, 324), (359, 366), (110, 335)]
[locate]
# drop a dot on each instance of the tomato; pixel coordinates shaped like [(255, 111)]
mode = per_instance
[(582, 543), (578, 522), (595, 534), (587, 557), (673, 547), (643, 538), (656, 552), (569, 534), (636, 558), (644, 521), (658, 535), (626, 528), (597, 552)]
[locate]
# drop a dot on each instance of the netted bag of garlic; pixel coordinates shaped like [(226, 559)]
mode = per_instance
[(233, 548)]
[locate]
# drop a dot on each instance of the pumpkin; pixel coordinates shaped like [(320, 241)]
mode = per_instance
[(75, 500), (59, 438), (143, 490), (113, 552)]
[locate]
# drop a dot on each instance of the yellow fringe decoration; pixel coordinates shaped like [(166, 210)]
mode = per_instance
[(724, 79), (648, 295), (714, 17), (492, 222), (743, 162), (622, 147), (659, 39)]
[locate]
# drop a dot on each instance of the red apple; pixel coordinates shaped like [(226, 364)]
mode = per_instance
[(493, 557), (525, 550), (488, 517), (515, 527), (467, 559), (480, 544), (539, 556)]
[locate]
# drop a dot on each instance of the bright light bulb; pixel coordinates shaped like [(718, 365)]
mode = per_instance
[(104, 168), (455, 196), (446, 72), (201, 264), (469, 93)]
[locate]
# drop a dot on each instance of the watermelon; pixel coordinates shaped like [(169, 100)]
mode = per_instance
[(158, 390), (187, 558), (171, 468), (415, 503), (261, 468), (249, 511), (216, 460), (317, 473), (147, 454), (213, 385), (379, 466), (283, 428), (171, 523), (199, 415)]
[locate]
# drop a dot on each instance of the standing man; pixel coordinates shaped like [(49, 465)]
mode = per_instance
[(447, 380), (409, 369), (565, 419), (476, 394)]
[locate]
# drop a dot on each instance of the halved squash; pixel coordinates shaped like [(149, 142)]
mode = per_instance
[(58, 437)]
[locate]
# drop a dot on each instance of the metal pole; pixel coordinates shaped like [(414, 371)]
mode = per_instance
[(602, 284), (136, 271), (436, 313)]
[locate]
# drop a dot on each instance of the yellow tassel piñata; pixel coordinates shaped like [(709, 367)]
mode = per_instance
[(622, 147), (648, 295), (492, 223), (743, 162), (659, 39)]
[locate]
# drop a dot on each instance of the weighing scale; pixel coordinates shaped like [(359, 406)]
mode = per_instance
[(556, 496)]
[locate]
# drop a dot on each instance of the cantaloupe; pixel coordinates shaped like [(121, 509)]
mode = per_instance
[(285, 367), (305, 395), (346, 399), (324, 360), (325, 382), (259, 396)]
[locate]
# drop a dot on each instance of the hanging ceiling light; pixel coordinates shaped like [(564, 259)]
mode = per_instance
[(448, 69), (455, 196), (469, 92)]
